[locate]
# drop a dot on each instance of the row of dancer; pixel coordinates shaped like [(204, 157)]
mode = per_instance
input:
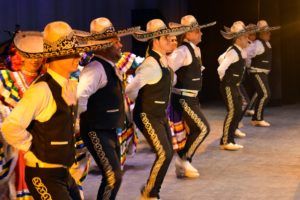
[(37, 129)]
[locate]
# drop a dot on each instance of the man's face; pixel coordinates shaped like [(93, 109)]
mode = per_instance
[(164, 44), (32, 64), (115, 52), (71, 63), (266, 36), (194, 36), (243, 41), (173, 42), (252, 37)]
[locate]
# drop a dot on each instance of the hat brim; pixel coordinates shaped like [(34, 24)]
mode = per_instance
[(119, 33), (268, 28), (177, 25), (144, 36), (30, 44), (231, 35), (248, 28)]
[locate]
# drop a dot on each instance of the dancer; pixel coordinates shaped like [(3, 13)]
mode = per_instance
[(186, 62), (151, 88), (231, 70), (261, 54), (42, 123)]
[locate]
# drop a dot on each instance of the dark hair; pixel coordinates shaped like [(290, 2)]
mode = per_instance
[(149, 48), (180, 39)]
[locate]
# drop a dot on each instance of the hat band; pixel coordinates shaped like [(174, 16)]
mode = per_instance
[(66, 42)]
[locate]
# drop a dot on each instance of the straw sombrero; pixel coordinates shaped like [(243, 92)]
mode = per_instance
[(264, 27), (236, 30), (102, 28), (57, 40), (156, 28), (191, 22)]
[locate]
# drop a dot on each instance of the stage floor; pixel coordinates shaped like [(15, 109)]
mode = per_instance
[(267, 168)]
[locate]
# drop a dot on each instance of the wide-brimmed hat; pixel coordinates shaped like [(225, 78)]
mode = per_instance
[(237, 29), (57, 40), (191, 22), (102, 28), (264, 27), (249, 27), (156, 28)]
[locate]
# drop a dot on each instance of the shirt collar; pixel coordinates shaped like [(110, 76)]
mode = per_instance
[(160, 54), (62, 81), (238, 47), (192, 44), (105, 59)]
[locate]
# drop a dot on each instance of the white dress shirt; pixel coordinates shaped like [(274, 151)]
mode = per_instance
[(181, 56), (36, 104), (254, 49), (148, 72), (226, 59), (91, 79)]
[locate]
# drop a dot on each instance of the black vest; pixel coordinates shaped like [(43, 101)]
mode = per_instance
[(234, 73), (264, 60), (154, 98), (105, 108), (53, 140), (190, 76)]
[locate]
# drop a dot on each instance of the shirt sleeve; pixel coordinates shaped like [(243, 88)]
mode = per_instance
[(229, 58), (148, 73), (92, 78), (259, 48), (34, 101), (178, 58)]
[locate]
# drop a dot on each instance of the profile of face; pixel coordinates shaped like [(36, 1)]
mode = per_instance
[(173, 42), (252, 37), (114, 52), (266, 35), (70, 63), (163, 44), (242, 41), (195, 36), (32, 64)]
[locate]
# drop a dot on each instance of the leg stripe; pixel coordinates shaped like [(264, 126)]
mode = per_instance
[(262, 101), (229, 117), (105, 164), (253, 99), (200, 125), (161, 155), (41, 188)]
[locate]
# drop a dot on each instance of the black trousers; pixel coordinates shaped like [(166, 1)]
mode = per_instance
[(253, 101), (157, 132), (105, 149), (262, 89), (234, 105), (51, 183), (193, 117)]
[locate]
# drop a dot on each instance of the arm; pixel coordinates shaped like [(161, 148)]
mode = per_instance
[(229, 58), (92, 78), (148, 72), (35, 100), (178, 58)]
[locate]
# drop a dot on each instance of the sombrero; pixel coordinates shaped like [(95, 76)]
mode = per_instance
[(57, 40), (190, 21), (156, 28), (236, 30)]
